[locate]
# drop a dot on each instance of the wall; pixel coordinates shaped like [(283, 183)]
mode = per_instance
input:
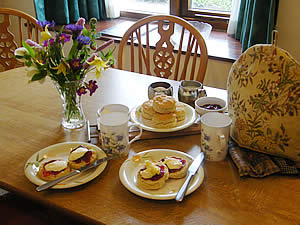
[(288, 23)]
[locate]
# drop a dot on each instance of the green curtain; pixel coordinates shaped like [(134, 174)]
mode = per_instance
[(256, 21), (69, 11)]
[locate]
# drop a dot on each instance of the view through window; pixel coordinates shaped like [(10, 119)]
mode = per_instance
[(213, 5), (146, 6)]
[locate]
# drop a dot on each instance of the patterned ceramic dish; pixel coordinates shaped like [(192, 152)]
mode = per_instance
[(209, 104)]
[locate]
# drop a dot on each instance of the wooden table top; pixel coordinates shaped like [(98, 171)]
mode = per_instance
[(30, 120)]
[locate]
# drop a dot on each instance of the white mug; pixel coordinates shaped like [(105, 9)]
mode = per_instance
[(215, 132), (113, 122)]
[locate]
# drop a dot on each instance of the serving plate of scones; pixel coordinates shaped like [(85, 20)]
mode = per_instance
[(158, 173), (163, 114), (60, 159)]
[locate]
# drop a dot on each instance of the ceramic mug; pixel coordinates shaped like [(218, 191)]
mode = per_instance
[(189, 91), (215, 132), (114, 129), (160, 88)]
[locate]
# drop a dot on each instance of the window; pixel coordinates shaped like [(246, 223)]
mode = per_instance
[(215, 12), (213, 5), (146, 6)]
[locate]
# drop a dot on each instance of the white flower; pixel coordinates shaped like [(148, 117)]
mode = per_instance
[(32, 70), (22, 51)]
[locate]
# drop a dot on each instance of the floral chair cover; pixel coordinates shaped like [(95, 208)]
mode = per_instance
[(263, 101)]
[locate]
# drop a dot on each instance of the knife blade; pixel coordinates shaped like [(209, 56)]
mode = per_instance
[(75, 172), (191, 172)]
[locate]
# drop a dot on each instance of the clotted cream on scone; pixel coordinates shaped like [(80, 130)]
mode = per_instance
[(53, 169), (81, 156), (152, 175)]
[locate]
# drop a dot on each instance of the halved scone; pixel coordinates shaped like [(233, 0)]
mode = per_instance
[(54, 169), (81, 156), (177, 166), (152, 176)]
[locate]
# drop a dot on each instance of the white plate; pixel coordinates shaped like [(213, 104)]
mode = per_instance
[(129, 169), (190, 117), (61, 151)]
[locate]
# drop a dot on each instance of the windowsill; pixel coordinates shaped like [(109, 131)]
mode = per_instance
[(219, 45)]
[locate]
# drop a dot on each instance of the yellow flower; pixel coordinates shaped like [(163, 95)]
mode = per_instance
[(100, 65), (31, 71), (45, 35), (60, 69)]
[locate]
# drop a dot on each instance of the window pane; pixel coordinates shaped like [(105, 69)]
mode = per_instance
[(215, 5), (146, 6)]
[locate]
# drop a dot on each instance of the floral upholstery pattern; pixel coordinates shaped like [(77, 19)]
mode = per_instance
[(263, 101)]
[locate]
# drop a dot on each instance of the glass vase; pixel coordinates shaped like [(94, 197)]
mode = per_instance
[(73, 116)]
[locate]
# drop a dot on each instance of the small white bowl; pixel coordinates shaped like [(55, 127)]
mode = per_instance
[(209, 100)]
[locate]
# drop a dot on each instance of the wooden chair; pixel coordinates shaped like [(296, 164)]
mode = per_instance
[(160, 32), (21, 23)]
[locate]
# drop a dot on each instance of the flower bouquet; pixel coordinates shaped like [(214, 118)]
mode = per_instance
[(68, 72)]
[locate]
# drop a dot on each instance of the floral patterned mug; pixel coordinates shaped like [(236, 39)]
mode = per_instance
[(215, 132), (114, 129)]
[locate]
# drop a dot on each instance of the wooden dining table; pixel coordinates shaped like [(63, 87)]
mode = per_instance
[(30, 120)]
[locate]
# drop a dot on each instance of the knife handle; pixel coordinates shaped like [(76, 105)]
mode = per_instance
[(54, 182), (181, 192)]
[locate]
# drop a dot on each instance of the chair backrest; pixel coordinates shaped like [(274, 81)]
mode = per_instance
[(15, 26), (166, 35)]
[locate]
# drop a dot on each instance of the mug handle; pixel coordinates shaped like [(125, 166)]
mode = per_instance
[(222, 141), (202, 93), (137, 136)]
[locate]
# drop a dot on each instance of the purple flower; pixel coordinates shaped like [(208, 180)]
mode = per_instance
[(80, 21), (92, 86), (51, 42), (42, 24), (81, 91), (74, 28), (119, 138), (32, 43), (75, 64), (83, 40), (206, 137), (63, 38)]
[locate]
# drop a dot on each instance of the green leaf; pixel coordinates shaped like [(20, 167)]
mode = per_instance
[(39, 75), (19, 56), (29, 49), (73, 52), (85, 32), (28, 63), (37, 157)]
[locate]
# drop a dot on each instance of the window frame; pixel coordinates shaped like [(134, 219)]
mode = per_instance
[(218, 20)]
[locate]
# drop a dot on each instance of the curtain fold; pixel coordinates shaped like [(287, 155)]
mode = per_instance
[(69, 11), (256, 21), (112, 8), (231, 30)]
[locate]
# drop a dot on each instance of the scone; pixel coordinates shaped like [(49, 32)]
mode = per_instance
[(166, 120), (177, 166), (152, 176), (180, 113), (81, 156), (53, 169), (147, 110), (164, 104)]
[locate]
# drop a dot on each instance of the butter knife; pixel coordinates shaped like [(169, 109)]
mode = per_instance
[(191, 172), (75, 172)]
